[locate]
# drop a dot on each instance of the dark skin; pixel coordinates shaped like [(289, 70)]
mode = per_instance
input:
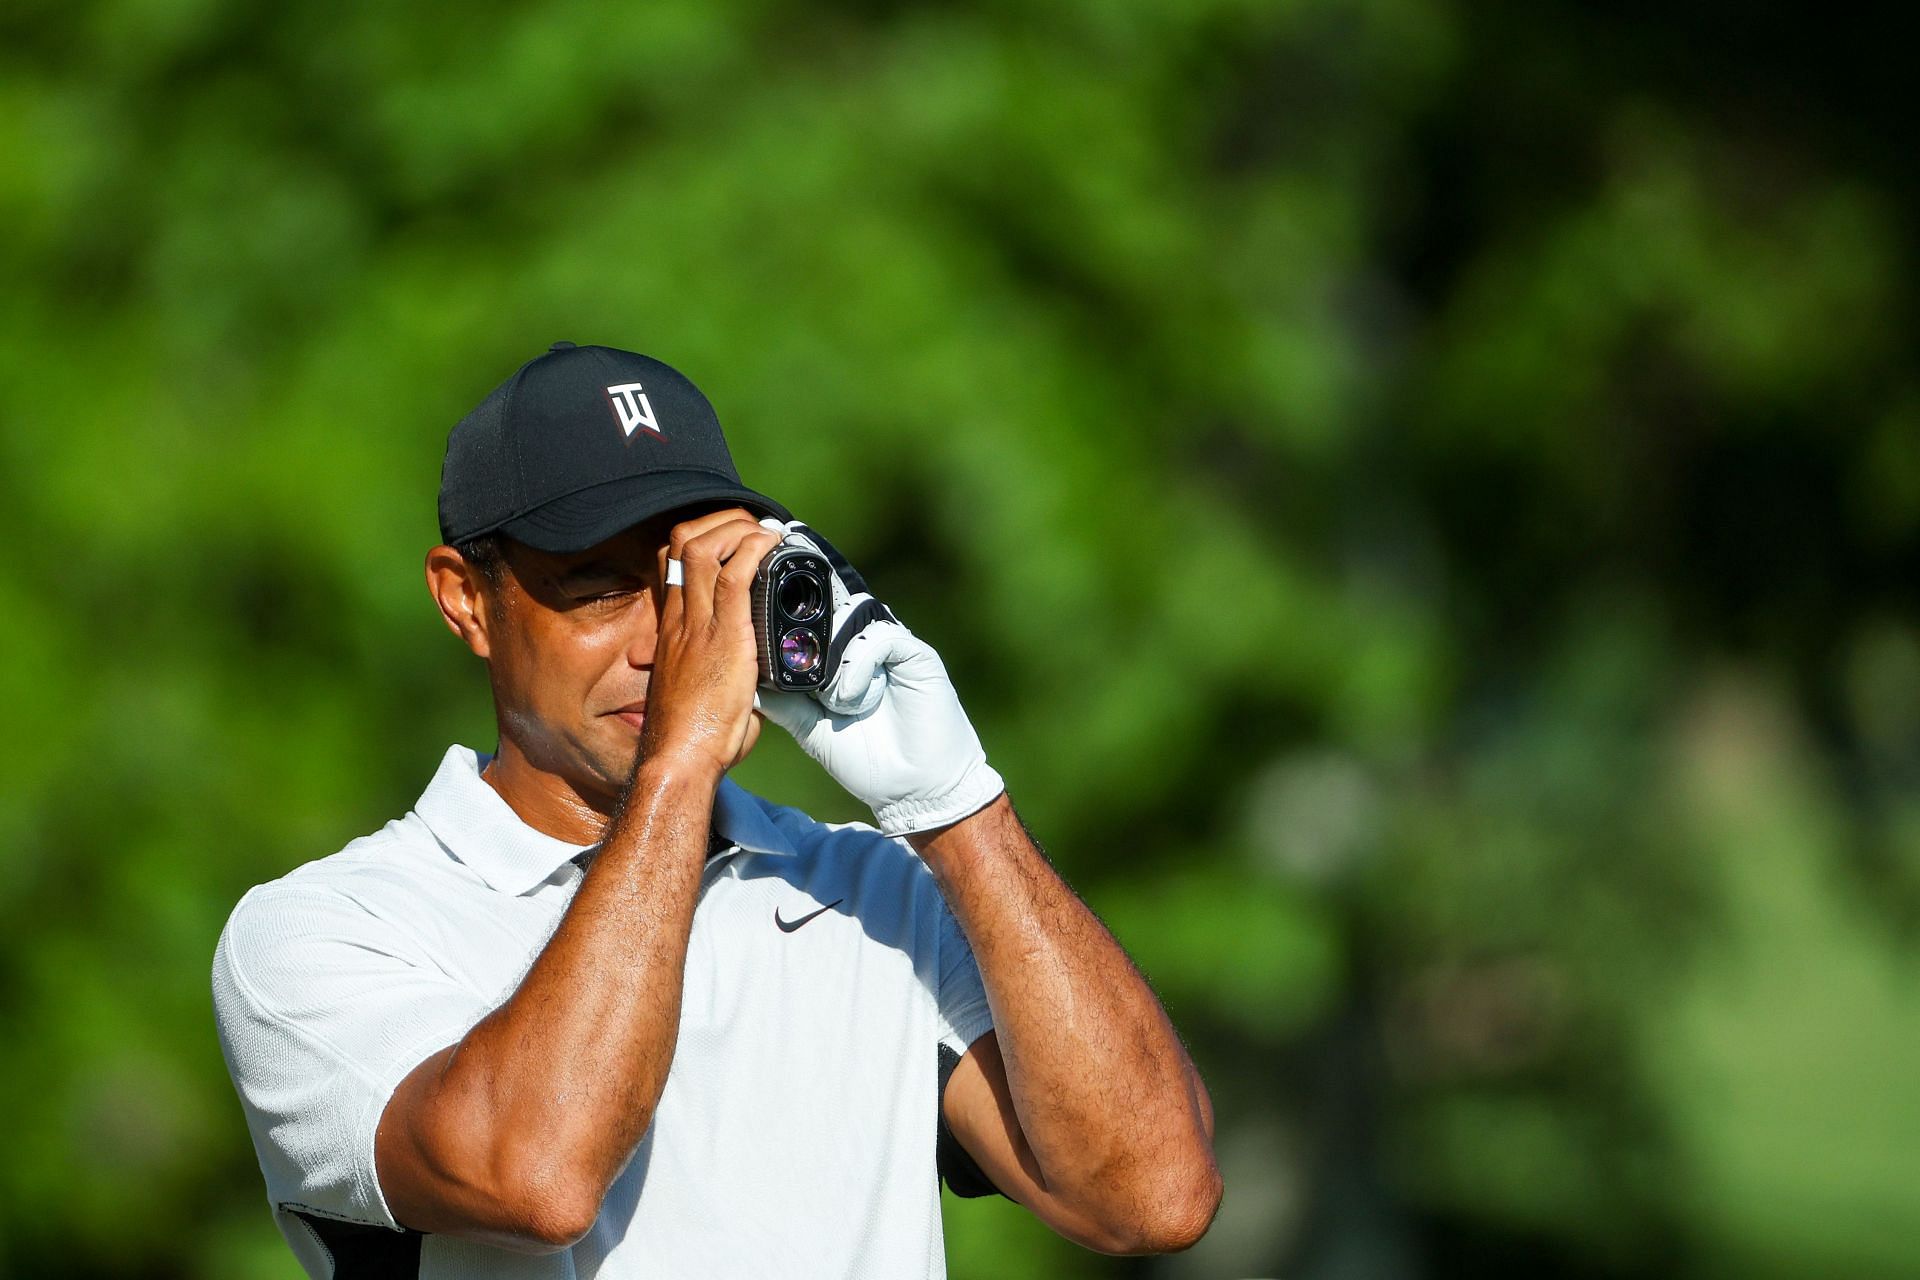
[(621, 703), (570, 655)]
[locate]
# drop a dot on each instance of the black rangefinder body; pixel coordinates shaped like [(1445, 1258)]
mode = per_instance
[(793, 619)]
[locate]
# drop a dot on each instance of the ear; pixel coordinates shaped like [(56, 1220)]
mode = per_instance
[(461, 595)]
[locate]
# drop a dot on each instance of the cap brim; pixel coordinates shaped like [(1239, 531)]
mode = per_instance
[(590, 516)]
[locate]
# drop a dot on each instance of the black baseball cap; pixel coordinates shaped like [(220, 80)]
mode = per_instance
[(581, 443)]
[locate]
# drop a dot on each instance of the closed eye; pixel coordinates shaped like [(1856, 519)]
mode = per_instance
[(609, 596), (601, 585)]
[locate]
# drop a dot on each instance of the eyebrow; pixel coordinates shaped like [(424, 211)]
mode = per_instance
[(595, 571)]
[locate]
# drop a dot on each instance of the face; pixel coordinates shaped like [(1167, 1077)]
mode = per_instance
[(569, 643)]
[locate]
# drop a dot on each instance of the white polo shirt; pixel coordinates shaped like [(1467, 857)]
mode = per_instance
[(796, 1132)]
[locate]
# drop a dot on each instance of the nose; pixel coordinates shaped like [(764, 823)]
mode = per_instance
[(644, 634)]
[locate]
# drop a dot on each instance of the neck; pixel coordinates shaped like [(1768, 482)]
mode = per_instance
[(545, 801)]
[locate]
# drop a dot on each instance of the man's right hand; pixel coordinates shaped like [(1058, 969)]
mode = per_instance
[(700, 699)]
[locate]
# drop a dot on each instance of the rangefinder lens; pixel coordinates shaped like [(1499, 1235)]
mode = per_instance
[(799, 651), (801, 597)]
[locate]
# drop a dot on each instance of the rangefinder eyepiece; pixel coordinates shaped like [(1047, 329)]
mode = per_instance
[(792, 619), (801, 595)]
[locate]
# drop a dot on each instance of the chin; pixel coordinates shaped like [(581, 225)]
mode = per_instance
[(601, 768), (616, 768)]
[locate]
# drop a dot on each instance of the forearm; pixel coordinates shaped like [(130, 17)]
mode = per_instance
[(1109, 1103), (529, 1118)]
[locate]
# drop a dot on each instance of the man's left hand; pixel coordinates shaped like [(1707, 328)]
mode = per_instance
[(913, 757)]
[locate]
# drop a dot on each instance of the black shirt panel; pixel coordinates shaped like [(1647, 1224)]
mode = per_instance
[(363, 1252)]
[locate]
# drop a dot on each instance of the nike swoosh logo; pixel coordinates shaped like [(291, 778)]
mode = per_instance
[(788, 926)]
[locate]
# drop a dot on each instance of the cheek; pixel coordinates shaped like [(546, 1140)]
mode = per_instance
[(558, 665), (584, 661), (544, 666)]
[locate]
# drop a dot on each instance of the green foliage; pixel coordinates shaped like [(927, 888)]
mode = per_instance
[(1423, 501)]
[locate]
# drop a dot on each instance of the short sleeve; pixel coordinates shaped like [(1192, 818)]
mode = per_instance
[(962, 997), (322, 1010)]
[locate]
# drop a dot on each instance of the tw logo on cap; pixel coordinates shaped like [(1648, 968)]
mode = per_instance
[(631, 407)]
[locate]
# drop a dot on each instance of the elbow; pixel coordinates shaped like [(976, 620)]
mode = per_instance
[(550, 1210), (550, 1229), (1185, 1217), (1174, 1216), (516, 1216), (456, 1163), (537, 1205)]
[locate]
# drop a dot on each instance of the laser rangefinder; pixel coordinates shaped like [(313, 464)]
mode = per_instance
[(792, 619)]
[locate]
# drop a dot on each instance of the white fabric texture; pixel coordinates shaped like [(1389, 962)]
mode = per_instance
[(795, 1134)]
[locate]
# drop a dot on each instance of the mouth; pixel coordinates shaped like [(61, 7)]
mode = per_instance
[(633, 715)]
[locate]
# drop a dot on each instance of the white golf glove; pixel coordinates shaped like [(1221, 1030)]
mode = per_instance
[(888, 725)]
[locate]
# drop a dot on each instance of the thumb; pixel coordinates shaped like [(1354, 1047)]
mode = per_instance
[(860, 681), (795, 712), (912, 662)]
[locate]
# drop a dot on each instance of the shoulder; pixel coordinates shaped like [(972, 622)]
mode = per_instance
[(386, 863), (362, 895)]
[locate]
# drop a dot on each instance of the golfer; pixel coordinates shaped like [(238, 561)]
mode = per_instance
[(590, 1009)]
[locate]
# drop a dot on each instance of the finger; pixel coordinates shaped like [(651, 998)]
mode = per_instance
[(671, 602), (733, 593), (702, 556), (686, 531)]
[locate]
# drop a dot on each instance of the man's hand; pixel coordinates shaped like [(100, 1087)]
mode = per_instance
[(914, 759), (700, 702)]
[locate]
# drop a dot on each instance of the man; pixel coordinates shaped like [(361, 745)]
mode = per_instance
[(591, 1009)]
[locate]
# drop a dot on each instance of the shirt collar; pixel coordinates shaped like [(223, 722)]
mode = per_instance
[(479, 828)]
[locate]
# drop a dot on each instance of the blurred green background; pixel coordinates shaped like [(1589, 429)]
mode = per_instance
[(1421, 498)]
